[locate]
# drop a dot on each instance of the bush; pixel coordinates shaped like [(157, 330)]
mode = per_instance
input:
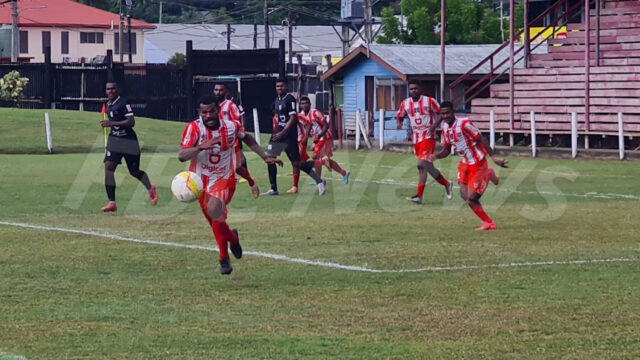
[(12, 86)]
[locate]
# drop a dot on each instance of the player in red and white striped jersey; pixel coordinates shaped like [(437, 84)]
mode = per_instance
[(302, 148), (229, 111), (473, 170), (319, 129), (421, 111), (208, 143)]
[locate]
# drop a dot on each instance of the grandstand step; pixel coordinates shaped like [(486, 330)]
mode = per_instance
[(580, 71), (577, 85), (616, 11), (609, 54), (567, 63), (556, 101), (563, 109), (597, 93), (620, 4), (629, 24), (568, 48), (631, 14), (578, 39), (610, 81)]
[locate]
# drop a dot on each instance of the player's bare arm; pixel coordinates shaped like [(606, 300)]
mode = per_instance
[(293, 118), (189, 153), (436, 123), (441, 155), (325, 128), (128, 122), (253, 145), (500, 162), (399, 121)]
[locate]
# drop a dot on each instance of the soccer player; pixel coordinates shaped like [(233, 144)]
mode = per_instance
[(421, 111), (473, 170), (230, 112), (285, 138), (318, 128), (122, 142), (302, 148), (209, 143)]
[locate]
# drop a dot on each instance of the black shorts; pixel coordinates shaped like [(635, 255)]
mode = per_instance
[(132, 160), (290, 148)]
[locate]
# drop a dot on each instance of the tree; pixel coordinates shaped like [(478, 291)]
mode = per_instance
[(468, 22), (177, 59)]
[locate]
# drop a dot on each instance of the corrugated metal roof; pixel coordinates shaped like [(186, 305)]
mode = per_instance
[(425, 59), (63, 13), (168, 39)]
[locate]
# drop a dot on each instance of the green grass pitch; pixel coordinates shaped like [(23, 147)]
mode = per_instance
[(448, 292)]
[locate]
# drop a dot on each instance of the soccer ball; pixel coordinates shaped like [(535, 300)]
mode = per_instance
[(186, 186)]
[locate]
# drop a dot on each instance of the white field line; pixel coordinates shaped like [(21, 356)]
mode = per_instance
[(394, 182), (7, 356), (316, 262)]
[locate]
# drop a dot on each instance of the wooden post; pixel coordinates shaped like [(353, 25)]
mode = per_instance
[(511, 62), (282, 71), (621, 136), (492, 130), (533, 134), (256, 125), (381, 137), (48, 79), (587, 65), (357, 129), (574, 135), (47, 129), (340, 129), (527, 47), (188, 82)]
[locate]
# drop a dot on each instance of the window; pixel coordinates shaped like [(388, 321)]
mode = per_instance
[(390, 93), (91, 38), (46, 40), (24, 41), (64, 42), (125, 44)]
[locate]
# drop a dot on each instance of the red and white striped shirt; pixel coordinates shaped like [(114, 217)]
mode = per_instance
[(464, 137), (229, 111), (303, 122), (421, 115), (220, 161), (317, 120)]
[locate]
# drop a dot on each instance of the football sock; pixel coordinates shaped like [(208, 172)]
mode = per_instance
[(296, 178), (420, 189), (440, 179), (336, 167), (273, 173), (110, 185), (244, 172), (144, 179), (479, 211), (223, 235)]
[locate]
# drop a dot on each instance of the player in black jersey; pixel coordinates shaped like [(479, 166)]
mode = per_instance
[(285, 138), (122, 143)]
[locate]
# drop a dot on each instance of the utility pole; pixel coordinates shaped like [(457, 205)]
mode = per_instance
[(160, 16), (290, 26), (120, 34), (443, 33), (501, 25), (15, 34), (228, 36), (266, 25), (367, 24), (255, 35), (345, 40), (129, 41)]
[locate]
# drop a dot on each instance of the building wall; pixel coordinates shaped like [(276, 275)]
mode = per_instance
[(354, 83), (78, 50)]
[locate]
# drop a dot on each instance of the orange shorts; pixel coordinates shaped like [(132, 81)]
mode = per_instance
[(424, 148), (223, 189), (302, 148), (476, 176), (324, 147)]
